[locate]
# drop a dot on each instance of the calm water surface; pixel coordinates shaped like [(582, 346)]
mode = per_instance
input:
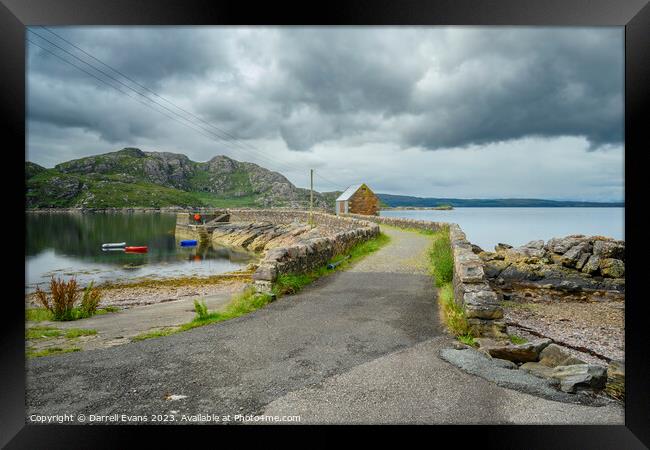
[(486, 227), (66, 245)]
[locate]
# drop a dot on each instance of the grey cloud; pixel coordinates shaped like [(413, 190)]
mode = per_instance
[(315, 96), (432, 87)]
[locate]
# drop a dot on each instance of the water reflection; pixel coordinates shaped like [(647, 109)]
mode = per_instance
[(70, 244)]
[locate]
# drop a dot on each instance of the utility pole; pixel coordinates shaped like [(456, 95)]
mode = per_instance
[(311, 198)]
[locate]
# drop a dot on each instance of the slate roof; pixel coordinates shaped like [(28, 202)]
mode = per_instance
[(349, 192)]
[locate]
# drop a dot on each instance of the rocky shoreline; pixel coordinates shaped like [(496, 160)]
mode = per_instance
[(570, 264), (569, 290)]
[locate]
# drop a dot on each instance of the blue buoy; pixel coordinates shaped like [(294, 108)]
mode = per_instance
[(188, 243)]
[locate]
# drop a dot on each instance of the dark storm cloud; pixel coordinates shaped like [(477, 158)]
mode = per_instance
[(428, 87)]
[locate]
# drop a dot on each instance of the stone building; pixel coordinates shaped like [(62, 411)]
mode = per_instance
[(358, 199)]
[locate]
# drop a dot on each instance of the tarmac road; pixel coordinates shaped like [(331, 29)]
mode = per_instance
[(360, 346)]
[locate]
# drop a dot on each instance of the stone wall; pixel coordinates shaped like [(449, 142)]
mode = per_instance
[(342, 233), (364, 201), (329, 222), (400, 222), (471, 288)]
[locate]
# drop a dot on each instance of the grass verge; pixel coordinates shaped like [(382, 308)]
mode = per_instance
[(442, 269)]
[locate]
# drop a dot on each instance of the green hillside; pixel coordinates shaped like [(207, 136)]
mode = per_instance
[(133, 178)]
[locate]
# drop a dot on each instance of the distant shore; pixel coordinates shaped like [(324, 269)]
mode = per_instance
[(428, 208)]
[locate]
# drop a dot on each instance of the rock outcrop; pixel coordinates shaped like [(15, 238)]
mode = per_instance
[(570, 263), (132, 177)]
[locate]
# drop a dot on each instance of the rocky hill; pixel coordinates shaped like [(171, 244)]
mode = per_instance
[(131, 177)]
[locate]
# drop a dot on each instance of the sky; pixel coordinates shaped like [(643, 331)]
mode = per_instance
[(466, 112)]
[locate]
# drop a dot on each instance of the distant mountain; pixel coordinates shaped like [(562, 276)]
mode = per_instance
[(405, 200), (131, 177)]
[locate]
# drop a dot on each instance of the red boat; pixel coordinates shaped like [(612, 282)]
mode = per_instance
[(136, 249)]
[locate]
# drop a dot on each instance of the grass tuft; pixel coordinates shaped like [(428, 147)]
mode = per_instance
[(42, 332), (452, 314), (201, 309), (90, 300), (154, 334), (468, 339), (31, 353), (78, 332), (442, 259), (517, 339)]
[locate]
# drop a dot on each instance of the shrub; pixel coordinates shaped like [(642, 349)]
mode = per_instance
[(63, 296), (90, 300)]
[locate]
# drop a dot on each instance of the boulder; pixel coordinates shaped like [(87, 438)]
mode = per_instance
[(592, 265), (609, 249), (519, 353), (524, 253), (495, 328), (582, 261), (612, 268), (539, 245), (553, 356), (580, 376), (500, 247), (562, 245), (537, 369), (568, 286), (573, 255), (493, 268), (476, 249)]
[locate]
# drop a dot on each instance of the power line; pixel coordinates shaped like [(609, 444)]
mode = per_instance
[(233, 140), (151, 91), (122, 83)]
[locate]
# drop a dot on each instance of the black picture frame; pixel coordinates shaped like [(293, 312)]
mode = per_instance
[(634, 15)]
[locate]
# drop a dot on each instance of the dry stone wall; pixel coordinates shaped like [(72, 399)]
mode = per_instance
[(340, 235), (472, 290), (401, 223)]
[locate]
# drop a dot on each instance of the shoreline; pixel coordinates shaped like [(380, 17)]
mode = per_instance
[(152, 290)]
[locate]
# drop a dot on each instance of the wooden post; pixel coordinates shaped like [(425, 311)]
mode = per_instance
[(311, 198)]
